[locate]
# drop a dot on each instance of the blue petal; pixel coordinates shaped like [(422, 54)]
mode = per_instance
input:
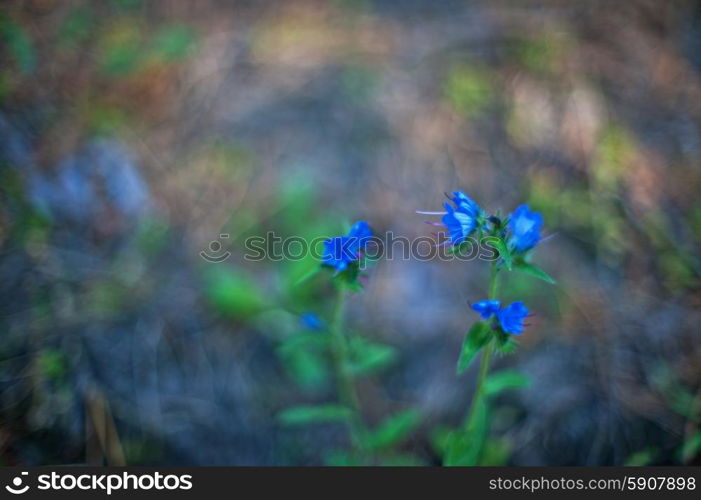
[(511, 318), (361, 234), (486, 308), (464, 203)]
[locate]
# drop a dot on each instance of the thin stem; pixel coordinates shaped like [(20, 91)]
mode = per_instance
[(346, 389), (493, 281), (486, 356)]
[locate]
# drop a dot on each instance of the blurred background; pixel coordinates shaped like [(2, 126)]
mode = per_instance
[(133, 133)]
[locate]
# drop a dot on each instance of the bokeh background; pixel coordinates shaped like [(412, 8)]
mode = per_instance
[(133, 133)]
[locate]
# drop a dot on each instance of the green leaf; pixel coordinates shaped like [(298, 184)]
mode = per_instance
[(233, 293), (393, 429), (342, 459), (465, 446), (643, 457), (504, 253), (173, 43), (367, 357), (527, 268), (52, 363), (506, 343), (305, 415), (304, 357), (475, 339), (498, 382), (496, 453), (307, 275), (691, 447), (19, 44)]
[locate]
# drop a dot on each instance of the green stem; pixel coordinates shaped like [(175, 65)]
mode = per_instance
[(486, 356), (346, 389)]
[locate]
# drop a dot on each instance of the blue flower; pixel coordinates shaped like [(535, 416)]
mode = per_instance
[(525, 226), (462, 220), (486, 308), (311, 321), (340, 251), (510, 318), (458, 224)]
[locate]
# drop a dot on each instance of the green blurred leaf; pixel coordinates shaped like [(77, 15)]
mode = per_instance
[(121, 51), (304, 357), (368, 357), (642, 457), (498, 382), (506, 343), (465, 446), (233, 293), (393, 429), (504, 252), (342, 459), (19, 44), (305, 415), (495, 453), (475, 339), (527, 268), (307, 368), (77, 26), (52, 363), (152, 235), (468, 89), (173, 43), (308, 274), (691, 447)]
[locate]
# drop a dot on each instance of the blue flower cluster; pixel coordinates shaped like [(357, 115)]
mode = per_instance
[(510, 317), (341, 251), (464, 217)]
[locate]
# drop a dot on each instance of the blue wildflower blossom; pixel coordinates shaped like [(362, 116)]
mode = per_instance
[(461, 220), (510, 318), (486, 308), (311, 321), (458, 224), (525, 226), (340, 251)]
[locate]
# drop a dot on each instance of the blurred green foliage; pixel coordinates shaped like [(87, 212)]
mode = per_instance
[(52, 364), (19, 44), (234, 293), (77, 27), (469, 89)]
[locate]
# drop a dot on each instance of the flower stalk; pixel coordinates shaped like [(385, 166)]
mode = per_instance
[(346, 388), (485, 359)]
